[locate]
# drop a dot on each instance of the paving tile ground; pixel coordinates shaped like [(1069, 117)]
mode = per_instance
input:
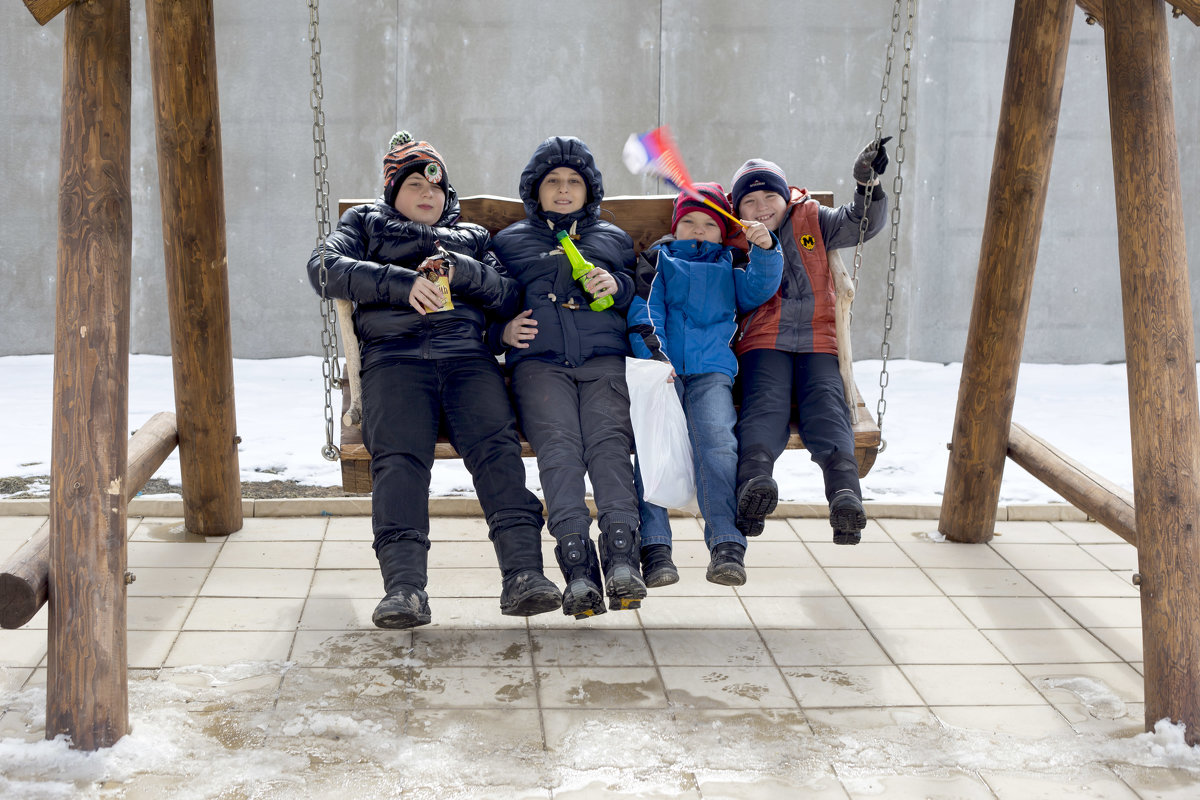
[(906, 667)]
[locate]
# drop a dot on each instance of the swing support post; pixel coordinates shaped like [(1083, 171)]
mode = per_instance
[(1037, 61), (183, 63), (1160, 356), (87, 693)]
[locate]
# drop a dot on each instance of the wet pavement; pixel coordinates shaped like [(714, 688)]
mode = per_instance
[(904, 667)]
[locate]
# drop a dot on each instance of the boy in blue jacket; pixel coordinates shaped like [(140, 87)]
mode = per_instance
[(568, 372), (690, 291), (422, 361)]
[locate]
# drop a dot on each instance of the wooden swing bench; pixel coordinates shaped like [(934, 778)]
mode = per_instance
[(645, 219)]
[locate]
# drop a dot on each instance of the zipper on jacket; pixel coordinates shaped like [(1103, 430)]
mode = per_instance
[(741, 334), (426, 337)]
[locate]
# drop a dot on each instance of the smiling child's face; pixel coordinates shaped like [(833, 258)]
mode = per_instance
[(562, 191), (419, 200), (765, 207)]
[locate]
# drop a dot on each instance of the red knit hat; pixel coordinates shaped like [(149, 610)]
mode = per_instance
[(406, 156), (685, 204)]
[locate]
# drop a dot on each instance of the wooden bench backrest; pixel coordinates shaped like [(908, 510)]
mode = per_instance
[(646, 218)]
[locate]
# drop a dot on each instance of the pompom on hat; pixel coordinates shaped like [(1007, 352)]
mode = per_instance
[(759, 175), (406, 156), (686, 204)]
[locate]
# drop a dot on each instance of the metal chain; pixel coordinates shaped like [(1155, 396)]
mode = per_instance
[(897, 189), (885, 348), (884, 94), (330, 365)]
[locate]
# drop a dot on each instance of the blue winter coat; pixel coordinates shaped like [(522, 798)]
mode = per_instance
[(689, 294), (569, 332), (371, 259)]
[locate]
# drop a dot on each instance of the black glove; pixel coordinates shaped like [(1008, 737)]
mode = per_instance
[(873, 158)]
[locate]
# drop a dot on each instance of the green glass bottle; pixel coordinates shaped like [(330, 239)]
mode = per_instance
[(580, 268)]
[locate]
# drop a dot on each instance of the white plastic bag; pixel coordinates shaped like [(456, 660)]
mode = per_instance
[(660, 434)]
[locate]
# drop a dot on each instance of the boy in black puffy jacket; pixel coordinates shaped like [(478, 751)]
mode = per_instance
[(568, 372), (423, 359)]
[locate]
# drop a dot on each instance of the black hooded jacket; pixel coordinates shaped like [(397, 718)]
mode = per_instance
[(371, 259), (531, 254)]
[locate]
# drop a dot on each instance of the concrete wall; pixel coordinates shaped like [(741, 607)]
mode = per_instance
[(796, 81)]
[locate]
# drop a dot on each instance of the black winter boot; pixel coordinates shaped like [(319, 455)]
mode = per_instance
[(580, 566), (620, 554), (658, 569), (756, 498), (526, 590), (727, 564), (406, 605), (847, 517)]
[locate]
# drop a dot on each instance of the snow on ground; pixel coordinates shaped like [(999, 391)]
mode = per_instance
[(1080, 409)]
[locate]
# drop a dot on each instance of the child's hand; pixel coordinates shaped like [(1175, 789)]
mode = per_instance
[(599, 283), (425, 296), (757, 234), (520, 330)]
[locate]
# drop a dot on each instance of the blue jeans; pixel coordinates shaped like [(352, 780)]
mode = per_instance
[(708, 406)]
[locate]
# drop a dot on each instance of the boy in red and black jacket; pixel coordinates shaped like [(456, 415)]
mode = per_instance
[(788, 345)]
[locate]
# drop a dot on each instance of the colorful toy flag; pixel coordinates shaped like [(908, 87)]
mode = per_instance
[(655, 153)]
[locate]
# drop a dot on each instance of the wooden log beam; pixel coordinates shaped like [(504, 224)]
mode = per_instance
[(25, 579), (148, 449), (87, 689), (184, 68), (1098, 497), (1037, 61), (1181, 8), (45, 10), (1160, 356)]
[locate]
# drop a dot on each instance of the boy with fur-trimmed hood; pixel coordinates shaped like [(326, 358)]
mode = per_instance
[(568, 372)]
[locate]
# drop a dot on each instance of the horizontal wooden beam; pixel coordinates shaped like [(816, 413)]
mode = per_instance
[(1181, 8), (1099, 498), (149, 447), (45, 10), (25, 580)]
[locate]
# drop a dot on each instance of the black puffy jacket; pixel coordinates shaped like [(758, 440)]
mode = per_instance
[(531, 254), (371, 260)]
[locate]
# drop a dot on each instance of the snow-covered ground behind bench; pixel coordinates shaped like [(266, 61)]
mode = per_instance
[(1082, 410)]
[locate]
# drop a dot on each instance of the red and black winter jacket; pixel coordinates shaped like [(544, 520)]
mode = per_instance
[(800, 318)]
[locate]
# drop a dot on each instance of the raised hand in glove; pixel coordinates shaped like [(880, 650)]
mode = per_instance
[(873, 158)]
